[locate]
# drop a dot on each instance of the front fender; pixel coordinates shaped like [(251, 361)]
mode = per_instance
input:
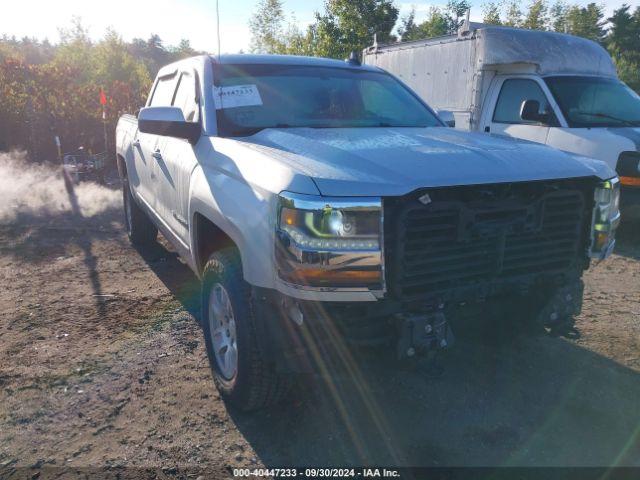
[(243, 212)]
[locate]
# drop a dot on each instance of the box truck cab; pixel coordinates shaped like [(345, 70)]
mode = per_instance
[(545, 87)]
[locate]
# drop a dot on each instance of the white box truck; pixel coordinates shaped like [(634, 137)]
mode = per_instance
[(545, 87)]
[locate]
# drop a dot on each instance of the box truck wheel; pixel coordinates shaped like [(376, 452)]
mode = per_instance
[(243, 376), (141, 230)]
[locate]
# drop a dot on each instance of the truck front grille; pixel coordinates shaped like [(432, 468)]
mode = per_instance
[(473, 236)]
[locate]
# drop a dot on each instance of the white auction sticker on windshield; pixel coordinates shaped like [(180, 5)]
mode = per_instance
[(236, 96)]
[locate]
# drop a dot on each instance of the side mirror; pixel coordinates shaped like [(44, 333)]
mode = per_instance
[(168, 122), (447, 117), (530, 112)]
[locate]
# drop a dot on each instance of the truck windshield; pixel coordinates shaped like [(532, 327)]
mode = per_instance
[(595, 101), (250, 98)]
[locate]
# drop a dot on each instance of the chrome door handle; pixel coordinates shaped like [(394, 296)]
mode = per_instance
[(157, 155), (136, 143)]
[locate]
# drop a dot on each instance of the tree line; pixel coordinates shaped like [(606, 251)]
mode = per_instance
[(347, 25), (49, 90)]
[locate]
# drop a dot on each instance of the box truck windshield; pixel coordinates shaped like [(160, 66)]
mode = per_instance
[(588, 102), (250, 98)]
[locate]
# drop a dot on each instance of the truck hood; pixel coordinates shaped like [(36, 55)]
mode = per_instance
[(396, 161)]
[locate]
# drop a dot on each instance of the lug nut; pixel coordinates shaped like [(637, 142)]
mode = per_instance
[(428, 329), (568, 297), (554, 316), (411, 352), (443, 343)]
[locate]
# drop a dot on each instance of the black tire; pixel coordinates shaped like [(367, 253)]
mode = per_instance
[(255, 384), (140, 229)]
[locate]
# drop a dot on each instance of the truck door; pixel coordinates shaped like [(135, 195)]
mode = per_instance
[(502, 111), (146, 146), (178, 159)]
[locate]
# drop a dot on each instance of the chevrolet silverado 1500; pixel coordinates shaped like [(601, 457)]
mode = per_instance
[(323, 204)]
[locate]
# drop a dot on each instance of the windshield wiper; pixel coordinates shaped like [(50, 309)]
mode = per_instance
[(630, 123)]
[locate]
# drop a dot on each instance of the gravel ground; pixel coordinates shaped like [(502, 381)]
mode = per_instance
[(103, 365)]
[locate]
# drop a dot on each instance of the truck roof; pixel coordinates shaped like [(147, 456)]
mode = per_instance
[(550, 52), (244, 59)]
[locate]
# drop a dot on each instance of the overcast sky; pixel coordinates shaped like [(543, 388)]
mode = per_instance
[(174, 19)]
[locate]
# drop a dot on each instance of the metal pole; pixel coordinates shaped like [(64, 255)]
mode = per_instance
[(104, 124), (59, 146), (33, 154), (218, 26)]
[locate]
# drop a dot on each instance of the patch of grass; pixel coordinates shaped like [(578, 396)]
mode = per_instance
[(26, 420)]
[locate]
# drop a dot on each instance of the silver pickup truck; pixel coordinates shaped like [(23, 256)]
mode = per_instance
[(323, 204)]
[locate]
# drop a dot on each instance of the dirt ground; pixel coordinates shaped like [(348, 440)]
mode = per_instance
[(103, 365)]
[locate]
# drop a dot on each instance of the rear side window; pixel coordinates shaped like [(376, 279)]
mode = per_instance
[(163, 93), (186, 98), (512, 94)]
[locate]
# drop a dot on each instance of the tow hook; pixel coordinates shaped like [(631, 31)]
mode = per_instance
[(420, 334)]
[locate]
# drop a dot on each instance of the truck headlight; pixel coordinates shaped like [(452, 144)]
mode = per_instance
[(606, 217), (330, 242)]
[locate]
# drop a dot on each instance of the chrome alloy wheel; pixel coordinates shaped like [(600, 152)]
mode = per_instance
[(222, 328)]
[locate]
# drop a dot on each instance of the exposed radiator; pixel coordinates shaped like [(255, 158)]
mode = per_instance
[(466, 236)]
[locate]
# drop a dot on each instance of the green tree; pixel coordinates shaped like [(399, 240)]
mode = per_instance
[(537, 16), (558, 16), (348, 25), (183, 50), (267, 27), (623, 43), (436, 24), (408, 29), (75, 49), (628, 67), (624, 31), (297, 41), (151, 51), (587, 22), (514, 15), (491, 13), (455, 13)]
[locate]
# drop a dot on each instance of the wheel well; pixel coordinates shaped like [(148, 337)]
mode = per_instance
[(628, 163), (209, 238)]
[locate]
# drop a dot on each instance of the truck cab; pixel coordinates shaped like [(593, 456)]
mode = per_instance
[(590, 115)]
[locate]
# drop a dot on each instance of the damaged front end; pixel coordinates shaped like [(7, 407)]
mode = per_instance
[(518, 248)]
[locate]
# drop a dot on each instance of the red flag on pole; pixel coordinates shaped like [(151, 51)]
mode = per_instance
[(103, 98)]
